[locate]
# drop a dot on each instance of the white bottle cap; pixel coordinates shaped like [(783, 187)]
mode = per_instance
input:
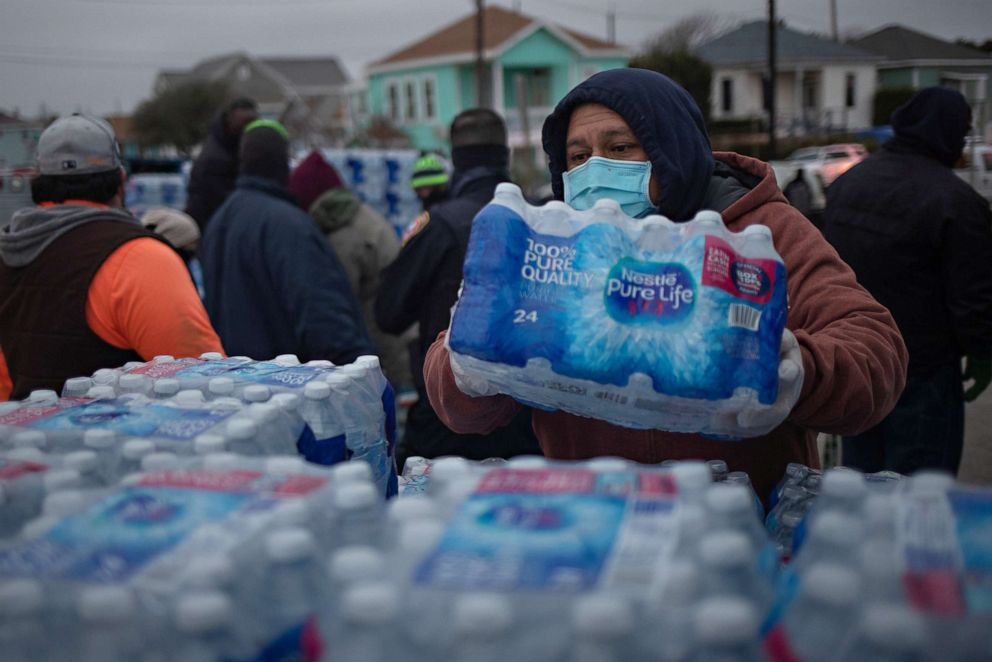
[(131, 365), (256, 393), (894, 626), (835, 528), (291, 512), (63, 503), (241, 429), (522, 462), (161, 461), (106, 604), (131, 382), (102, 393), (287, 359), (757, 231), (286, 401), (319, 363), (82, 461), (605, 464), (843, 483), (930, 480), (166, 386), (26, 454), (99, 438), (164, 358), (203, 612), (371, 603), (413, 508), (351, 472), (708, 216), (190, 396), (289, 545), (450, 467), (211, 356), (61, 479), (832, 584), (78, 385), (221, 386), (43, 396), (725, 620), (419, 537), (222, 461), (730, 499), (317, 391), (284, 464), (20, 598), (356, 563), (368, 362), (692, 477), (28, 439), (726, 549), (355, 496), (209, 443), (337, 380), (104, 376), (482, 614), (603, 616), (135, 449)]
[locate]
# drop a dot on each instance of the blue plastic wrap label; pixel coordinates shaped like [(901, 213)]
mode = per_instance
[(697, 318), (556, 530), (148, 420)]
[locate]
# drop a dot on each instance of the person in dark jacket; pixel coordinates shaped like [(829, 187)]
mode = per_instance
[(421, 285), (920, 240), (216, 168), (273, 284)]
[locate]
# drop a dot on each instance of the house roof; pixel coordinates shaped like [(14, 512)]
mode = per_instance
[(305, 72), (895, 42), (501, 25), (749, 43)]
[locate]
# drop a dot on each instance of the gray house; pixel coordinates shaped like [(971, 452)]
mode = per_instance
[(313, 97), (820, 84)]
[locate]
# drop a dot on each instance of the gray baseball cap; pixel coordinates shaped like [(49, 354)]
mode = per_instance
[(78, 145)]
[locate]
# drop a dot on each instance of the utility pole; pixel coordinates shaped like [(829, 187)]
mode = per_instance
[(771, 79), (481, 98), (611, 23), (833, 20)]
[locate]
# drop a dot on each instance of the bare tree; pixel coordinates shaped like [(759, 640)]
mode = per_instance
[(688, 33)]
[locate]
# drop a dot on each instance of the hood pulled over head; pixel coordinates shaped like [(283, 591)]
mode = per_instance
[(934, 122)]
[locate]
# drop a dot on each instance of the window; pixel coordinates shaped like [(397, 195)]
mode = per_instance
[(410, 97), (727, 95), (393, 97), (850, 98), (429, 102)]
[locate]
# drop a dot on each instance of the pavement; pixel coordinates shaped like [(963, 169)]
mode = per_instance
[(976, 462)]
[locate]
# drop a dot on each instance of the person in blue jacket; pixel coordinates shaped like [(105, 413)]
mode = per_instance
[(273, 284)]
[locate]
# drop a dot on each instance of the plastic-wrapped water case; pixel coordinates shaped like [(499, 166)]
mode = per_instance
[(644, 323)]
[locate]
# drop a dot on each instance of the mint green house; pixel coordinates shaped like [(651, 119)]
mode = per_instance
[(530, 66)]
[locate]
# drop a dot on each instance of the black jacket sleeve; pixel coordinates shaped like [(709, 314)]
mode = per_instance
[(966, 263), (406, 282)]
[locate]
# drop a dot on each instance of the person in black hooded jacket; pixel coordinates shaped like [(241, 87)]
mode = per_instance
[(920, 240), (216, 168)]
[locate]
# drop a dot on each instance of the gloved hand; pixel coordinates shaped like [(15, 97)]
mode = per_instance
[(755, 422), (978, 369)]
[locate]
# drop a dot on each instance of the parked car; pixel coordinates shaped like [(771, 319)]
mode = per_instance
[(830, 161), (977, 169)]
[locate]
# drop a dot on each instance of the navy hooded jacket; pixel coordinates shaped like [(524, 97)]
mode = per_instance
[(919, 237), (273, 284), (663, 117)]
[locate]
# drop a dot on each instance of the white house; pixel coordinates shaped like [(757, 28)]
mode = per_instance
[(820, 84)]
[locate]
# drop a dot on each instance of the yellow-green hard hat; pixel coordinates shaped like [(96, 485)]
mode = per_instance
[(428, 171)]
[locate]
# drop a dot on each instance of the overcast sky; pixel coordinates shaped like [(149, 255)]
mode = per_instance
[(102, 55)]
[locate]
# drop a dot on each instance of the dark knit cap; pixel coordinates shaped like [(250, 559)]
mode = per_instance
[(313, 177), (265, 152)]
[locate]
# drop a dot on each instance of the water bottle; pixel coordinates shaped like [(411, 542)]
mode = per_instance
[(76, 387), (346, 567), (732, 506), (211, 356), (350, 472), (328, 445), (359, 513), (220, 387), (132, 452), (841, 489), (165, 388), (368, 615), (110, 625), (105, 377), (287, 360), (729, 567), (23, 631), (668, 631), (87, 463), (256, 393), (205, 622), (134, 384), (825, 610), (602, 629), (718, 469), (161, 461), (832, 536), (242, 437), (104, 443), (102, 392), (692, 479), (726, 630), (29, 439), (483, 624), (189, 398)]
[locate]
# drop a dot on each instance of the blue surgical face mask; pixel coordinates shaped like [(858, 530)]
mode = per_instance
[(626, 182)]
